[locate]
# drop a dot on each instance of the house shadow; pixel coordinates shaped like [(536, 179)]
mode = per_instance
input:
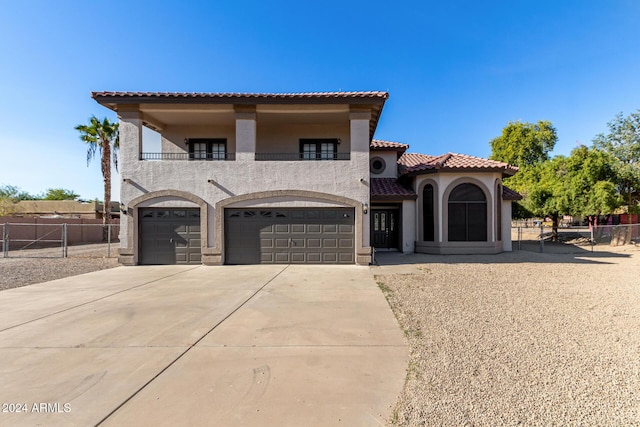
[(529, 252)]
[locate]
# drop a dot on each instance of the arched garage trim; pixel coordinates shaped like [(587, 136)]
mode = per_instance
[(140, 201), (363, 254)]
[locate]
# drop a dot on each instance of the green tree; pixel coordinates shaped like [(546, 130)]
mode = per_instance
[(590, 184), (15, 194), (542, 189), (60, 194), (10, 195), (524, 144), (579, 185), (623, 144), (103, 137)]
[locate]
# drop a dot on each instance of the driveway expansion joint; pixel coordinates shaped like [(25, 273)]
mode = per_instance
[(96, 300), (181, 355)]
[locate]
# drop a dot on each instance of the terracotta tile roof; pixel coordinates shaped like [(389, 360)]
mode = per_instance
[(509, 194), (374, 99), (378, 144), (412, 163), (237, 95), (390, 188)]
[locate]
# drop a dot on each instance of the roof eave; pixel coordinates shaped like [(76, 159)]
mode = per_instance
[(375, 100), (393, 198)]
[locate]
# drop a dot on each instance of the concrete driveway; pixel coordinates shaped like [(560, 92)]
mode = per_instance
[(185, 345)]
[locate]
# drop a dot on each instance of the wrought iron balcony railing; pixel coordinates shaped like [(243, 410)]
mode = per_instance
[(302, 156), (188, 156)]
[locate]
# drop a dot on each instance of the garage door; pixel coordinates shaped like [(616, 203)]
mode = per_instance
[(284, 236), (169, 236)]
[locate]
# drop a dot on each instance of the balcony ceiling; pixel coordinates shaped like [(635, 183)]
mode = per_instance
[(161, 116)]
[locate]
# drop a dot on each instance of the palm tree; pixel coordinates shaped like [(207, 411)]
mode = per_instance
[(103, 137)]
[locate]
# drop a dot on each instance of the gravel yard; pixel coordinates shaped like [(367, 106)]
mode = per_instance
[(40, 265), (520, 338)]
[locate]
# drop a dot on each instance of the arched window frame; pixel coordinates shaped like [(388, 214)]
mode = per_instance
[(436, 211), (488, 206)]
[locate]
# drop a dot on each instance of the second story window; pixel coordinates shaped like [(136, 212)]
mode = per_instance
[(207, 149), (318, 149)]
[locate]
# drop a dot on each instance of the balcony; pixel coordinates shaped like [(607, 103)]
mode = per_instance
[(258, 156), (301, 156), (188, 156)]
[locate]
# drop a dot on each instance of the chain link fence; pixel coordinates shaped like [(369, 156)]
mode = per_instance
[(59, 240), (536, 236)]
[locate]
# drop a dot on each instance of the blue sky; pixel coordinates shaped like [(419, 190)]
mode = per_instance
[(457, 72)]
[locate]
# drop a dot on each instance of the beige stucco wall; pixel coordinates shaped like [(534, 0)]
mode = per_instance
[(408, 226), (391, 163), (286, 139), (443, 183), (506, 226)]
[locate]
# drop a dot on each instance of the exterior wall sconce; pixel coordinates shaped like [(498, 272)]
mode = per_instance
[(365, 208), (123, 208), (186, 141)]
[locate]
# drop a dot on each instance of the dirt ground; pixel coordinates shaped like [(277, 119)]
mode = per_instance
[(31, 266), (520, 338)]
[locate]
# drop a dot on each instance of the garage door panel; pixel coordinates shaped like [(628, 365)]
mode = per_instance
[(283, 228), (298, 258), (330, 257), (347, 258), (330, 243), (314, 243), (266, 243), (298, 243), (298, 228), (345, 243), (314, 257), (289, 235), (282, 257), (345, 229), (330, 228), (314, 228), (281, 243), (169, 236)]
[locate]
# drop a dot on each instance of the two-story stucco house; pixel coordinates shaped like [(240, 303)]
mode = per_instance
[(292, 178)]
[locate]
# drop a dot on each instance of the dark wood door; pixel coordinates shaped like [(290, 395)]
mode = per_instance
[(384, 228)]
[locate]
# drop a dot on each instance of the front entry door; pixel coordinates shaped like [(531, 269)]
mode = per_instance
[(384, 228)]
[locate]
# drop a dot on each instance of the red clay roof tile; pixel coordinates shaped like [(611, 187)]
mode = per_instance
[(378, 144), (509, 194), (234, 95), (416, 163), (390, 188)]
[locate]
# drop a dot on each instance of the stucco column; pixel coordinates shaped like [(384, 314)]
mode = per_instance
[(130, 129), (506, 226), (246, 132), (359, 119), (408, 226)]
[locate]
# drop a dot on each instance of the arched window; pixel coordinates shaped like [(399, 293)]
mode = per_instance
[(428, 214), (499, 212), (467, 214)]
